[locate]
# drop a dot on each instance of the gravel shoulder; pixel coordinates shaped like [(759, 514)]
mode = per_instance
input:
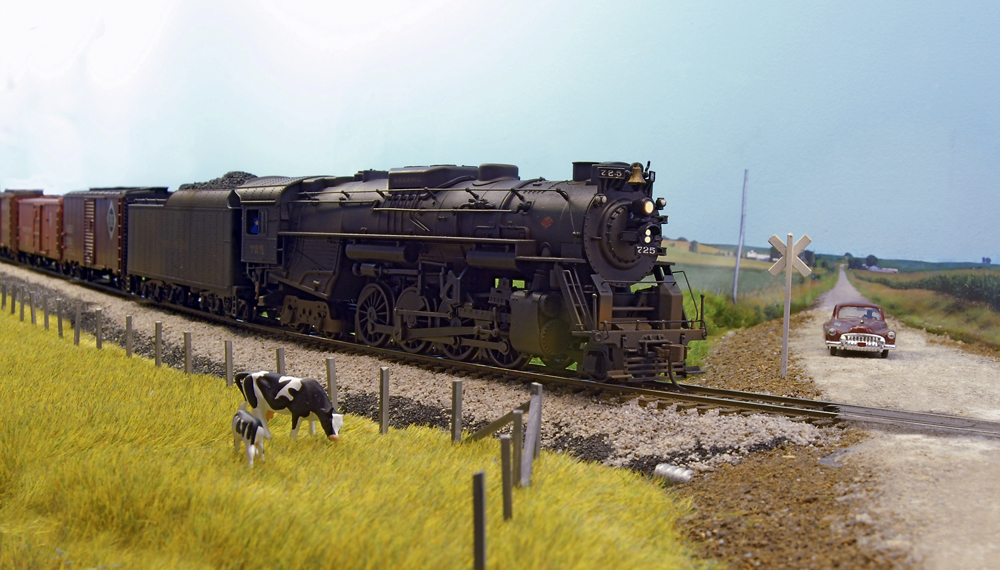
[(936, 496)]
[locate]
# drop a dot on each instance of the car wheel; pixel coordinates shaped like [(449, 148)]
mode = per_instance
[(833, 351), (885, 353)]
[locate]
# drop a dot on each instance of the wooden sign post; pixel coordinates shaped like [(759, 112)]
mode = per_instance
[(788, 251)]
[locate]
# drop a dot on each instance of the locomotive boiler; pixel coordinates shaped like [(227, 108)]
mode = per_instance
[(469, 262)]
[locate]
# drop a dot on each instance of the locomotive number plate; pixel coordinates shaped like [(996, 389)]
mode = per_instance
[(646, 250), (614, 173)]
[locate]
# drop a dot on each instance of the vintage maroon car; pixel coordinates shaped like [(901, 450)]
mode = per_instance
[(859, 327)]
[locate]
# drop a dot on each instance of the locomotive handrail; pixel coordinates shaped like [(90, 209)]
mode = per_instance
[(399, 237), (454, 210), (541, 259), (604, 326), (701, 314)]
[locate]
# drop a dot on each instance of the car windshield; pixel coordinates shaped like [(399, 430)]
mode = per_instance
[(859, 312)]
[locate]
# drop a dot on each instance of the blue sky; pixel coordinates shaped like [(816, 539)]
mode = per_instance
[(873, 127)]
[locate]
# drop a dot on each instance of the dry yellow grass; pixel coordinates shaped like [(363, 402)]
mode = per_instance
[(110, 462)]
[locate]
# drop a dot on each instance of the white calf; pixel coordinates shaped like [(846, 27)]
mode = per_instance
[(251, 431)]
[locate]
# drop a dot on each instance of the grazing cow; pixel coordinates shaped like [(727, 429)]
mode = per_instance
[(251, 431), (302, 398)]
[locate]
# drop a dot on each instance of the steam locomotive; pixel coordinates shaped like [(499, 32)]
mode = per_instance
[(467, 262)]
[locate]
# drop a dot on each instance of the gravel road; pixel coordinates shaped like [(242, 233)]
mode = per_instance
[(937, 496)]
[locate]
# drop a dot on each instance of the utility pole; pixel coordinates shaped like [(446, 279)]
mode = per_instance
[(739, 247)]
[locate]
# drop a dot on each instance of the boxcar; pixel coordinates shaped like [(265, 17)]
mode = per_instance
[(186, 250), (39, 227), (95, 223), (8, 219)]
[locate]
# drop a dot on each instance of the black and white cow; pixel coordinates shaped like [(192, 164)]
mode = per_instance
[(251, 431), (302, 398)]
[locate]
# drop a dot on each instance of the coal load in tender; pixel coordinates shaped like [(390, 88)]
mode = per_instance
[(229, 180)]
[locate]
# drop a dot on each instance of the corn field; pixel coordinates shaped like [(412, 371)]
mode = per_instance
[(976, 286)]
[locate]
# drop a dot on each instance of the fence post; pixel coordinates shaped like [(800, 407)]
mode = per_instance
[(59, 315), (331, 382), (383, 400), (158, 342), (3, 304), (508, 500), (45, 310), (456, 411), (229, 363), (31, 306), (187, 352), (98, 333), (13, 298), (517, 433), (479, 518), (77, 325), (21, 298), (128, 336), (533, 433), (279, 355), (538, 439)]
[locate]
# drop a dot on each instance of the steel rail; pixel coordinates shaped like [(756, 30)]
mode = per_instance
[(704, 397)]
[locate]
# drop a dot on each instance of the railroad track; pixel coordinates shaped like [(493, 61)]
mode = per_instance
[(684, 396)]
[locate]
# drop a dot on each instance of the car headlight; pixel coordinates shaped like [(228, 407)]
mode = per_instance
[(831, 331), (891, 335)]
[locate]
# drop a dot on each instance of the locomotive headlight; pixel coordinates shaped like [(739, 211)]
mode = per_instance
[(643, 207), (649, 234)]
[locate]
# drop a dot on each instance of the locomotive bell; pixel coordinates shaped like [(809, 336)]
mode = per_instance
[(636, 174)]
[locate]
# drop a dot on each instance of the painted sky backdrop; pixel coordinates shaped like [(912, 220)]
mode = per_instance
[(873, 127)]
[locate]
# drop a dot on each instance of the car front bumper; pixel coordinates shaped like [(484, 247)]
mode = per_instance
[(860, 342)]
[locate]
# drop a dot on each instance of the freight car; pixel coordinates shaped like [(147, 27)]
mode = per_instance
[(95, 222), (9, 214), (39, 229)]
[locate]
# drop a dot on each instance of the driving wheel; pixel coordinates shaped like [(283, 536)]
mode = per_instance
[(457, 351), (410, 299), (374, 308), (506, 357)]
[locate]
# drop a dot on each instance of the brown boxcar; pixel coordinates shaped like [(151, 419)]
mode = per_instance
[(8, 219), (95, 223), (39, 227)]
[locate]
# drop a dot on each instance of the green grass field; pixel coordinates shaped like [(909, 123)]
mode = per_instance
[(761, 295), (935, 312), (110, 462), (714, 273)]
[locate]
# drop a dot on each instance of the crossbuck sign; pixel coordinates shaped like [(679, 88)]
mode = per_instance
[(788, 252), (797, 263)]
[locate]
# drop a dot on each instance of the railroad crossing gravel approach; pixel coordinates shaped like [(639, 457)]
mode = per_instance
[(938, 496)]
